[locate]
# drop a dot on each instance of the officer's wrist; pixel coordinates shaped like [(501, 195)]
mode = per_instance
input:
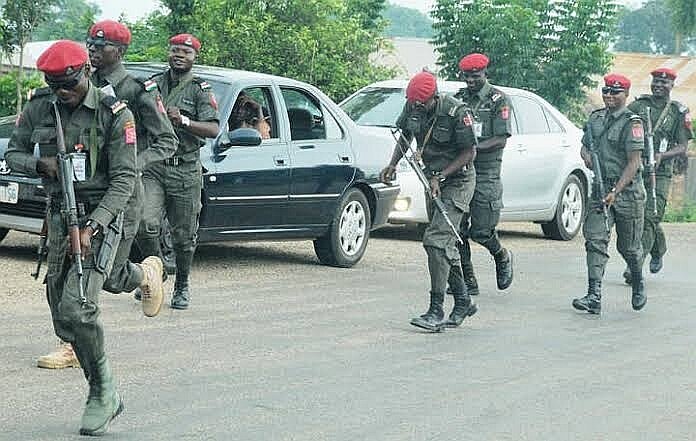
[(185, 121)]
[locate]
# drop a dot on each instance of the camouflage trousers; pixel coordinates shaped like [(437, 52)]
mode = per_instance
[(626, 215), (174, 191), (439, 240), (75, 322)]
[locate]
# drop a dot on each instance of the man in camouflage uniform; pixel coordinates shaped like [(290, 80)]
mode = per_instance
[(491, 110), (100, 138), (442, 127), (174, 185), (107, 42), (671, 125), (616, 135)]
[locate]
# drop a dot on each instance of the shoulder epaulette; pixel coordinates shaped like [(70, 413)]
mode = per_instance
[(41, 91), (204, 85), (644, 96), (451, 104), (113, 103), (495, 94), (681, 107), (601, 109)]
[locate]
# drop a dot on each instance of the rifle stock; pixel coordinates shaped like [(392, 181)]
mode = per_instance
[(598, 178), (69, 206), (651, 159), (418, 169)]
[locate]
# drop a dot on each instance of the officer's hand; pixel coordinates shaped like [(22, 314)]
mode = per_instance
[(435, 186), (387, 174), (174, 115), (658, 159), (609, 199), (86, 241), (47, 167)]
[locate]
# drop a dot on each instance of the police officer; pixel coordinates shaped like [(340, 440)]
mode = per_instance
[(442, 127), (616, 134), (100, 137), (491, 110), (671, 126), (107, 42), (174, 185)]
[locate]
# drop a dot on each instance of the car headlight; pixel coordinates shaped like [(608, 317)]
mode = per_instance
[(402, 204)]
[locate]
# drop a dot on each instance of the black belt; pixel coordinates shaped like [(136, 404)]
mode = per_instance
[(175, 161)]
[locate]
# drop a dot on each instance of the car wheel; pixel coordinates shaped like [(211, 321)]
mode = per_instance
[(570, 211), (3, 233), (344, 245)]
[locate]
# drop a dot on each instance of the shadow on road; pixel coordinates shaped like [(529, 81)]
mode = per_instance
[(409, 232), (211, 254)]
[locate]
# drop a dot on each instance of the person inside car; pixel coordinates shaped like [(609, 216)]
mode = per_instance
[(249, 113)]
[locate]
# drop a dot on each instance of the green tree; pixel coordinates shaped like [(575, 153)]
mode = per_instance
[(19, 20), (684, 21), (407, 22), (323, 42), (551, 48), (67, 20), (647, 29), (8, 90)]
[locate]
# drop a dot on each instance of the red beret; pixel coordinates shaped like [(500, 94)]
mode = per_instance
[(421, 88), (473, 62), (664, 72), (186, 40), (110, 30), (64, 57), (617, 80)]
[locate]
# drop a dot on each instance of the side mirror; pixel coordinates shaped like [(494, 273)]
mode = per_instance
[(244, 137)]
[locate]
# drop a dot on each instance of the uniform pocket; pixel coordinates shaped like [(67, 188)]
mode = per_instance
[(44, 135), (441, 133)]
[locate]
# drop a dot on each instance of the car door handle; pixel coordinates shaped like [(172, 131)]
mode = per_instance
[(306, 147), (345, 159), (279, 161)]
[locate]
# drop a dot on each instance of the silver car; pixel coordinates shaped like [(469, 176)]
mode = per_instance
[(544, 178)]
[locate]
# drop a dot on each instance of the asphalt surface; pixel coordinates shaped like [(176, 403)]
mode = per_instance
[(278, 347)]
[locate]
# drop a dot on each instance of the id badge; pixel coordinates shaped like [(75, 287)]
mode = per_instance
[(663, 145), (109, 90), (79, 162), (478, 129)]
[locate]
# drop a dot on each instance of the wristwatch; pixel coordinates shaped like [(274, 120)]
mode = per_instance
[(185, 121), (438, 175), (94, 226)]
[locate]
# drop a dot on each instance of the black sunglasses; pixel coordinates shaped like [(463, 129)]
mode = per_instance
[(65, 85), (606, 90)]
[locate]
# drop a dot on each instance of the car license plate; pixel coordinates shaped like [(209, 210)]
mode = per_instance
[(9, 192)]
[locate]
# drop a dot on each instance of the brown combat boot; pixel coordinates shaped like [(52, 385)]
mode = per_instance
[(63, 357), (151, 286)]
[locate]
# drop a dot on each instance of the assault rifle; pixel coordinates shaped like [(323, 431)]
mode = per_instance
[(652, 163), (42, 249), (418, 167), (69, 205), (598, 181)]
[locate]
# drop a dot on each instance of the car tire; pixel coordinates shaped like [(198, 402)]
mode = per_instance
[(3, 233), (570, 211), (344, 245)]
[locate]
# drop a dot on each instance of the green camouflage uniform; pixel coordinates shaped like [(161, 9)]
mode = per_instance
[(174, 186), (491, 109), (447, 135), (156, 142), (673, 129), (106, 130), (614, 136)]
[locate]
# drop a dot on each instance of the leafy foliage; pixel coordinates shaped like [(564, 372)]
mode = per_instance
[(8, 90), (67, 20), (650, 29), (407, 22), (323, 42), (684, 21), (551, 48)]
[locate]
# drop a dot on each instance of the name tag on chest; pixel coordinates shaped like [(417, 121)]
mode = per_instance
[(79, 163), (478, 129)]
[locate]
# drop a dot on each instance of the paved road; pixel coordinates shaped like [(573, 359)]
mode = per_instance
[(277, 347)]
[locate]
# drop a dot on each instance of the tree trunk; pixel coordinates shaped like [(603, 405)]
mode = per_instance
[(20, 72)]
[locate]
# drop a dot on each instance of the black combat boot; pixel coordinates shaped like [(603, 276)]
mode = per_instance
[(628, 280), (181, 295), (592, 302), (655, 264), (470, 279), (432, 319), (463, 308), (503, 268), (638, 296), (103, 402)]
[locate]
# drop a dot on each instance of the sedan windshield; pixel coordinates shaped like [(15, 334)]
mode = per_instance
[(375, 106)]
